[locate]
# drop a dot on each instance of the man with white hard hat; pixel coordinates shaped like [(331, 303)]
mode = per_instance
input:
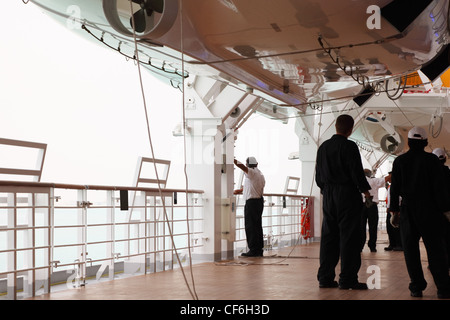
[(442, 156), (253, 190), (417, 178), (440, 153)]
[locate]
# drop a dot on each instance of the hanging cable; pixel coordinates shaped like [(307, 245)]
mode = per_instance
[(431, 128), (363, 79), (400, 89), (377, 92), (153, 155), (136, 56), (400, 109), (185, 146), (381, 41), (348, 70)]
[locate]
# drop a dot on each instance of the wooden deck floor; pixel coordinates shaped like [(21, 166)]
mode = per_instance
[(268, 278)]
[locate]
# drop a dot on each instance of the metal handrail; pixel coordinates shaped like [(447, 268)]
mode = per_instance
[(149, 235), (149, 241), (90, 187)]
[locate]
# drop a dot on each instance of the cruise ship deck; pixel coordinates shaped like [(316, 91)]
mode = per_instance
[(288, 274)]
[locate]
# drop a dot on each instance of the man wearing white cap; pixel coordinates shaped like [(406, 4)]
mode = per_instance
[(417, 178), (252, 191), (442, 156)]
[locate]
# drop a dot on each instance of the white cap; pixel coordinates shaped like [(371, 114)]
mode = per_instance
[(417, 133), (440, 153), (252, 161)]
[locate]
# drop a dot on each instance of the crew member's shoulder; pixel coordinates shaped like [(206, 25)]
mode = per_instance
[(254, 172), (432, 157)]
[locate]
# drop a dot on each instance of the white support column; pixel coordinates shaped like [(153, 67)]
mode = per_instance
[(227, 188), (214, 110), (308, 187), (210, 154), (204, 172)]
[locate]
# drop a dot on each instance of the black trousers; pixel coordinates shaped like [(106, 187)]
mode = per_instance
[(369, 216), (341, 234), (393, 233), (417, 222), (253, 211), (447, 238)]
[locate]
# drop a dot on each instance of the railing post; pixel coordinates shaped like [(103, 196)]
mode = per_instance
[(48, 238), (29, 280), (82, 234), (51, 237), (110, 235), (12, 245)]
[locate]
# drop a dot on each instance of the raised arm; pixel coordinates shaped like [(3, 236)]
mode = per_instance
[(241, 166)]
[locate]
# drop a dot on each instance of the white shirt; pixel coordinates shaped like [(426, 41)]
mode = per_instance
[(254, 183), (375, 184), (388, 200), (388, 197)]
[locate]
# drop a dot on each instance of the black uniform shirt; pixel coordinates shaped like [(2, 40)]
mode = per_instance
[(417, 176), (339, 163), (447, 179)]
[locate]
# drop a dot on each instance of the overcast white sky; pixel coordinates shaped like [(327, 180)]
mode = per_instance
[(84, 101)]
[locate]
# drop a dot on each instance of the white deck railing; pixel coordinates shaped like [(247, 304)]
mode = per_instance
[(73, 235), (282, 221)]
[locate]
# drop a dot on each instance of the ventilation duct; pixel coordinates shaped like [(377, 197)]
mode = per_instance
[(154, 18)]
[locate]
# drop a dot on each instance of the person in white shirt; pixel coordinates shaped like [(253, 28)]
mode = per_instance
[(395, 241), (252, 191), (370, 210)]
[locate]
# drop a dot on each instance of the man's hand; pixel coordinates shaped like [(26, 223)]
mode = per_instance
[(238, 191), (395, 219), (369, 201), (447, 215)]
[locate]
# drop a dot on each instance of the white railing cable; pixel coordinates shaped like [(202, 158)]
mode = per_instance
[(191, 291)]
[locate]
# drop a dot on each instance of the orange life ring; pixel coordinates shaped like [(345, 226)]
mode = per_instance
[(305, 223)]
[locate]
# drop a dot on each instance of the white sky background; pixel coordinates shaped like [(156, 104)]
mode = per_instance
[(84, 101)]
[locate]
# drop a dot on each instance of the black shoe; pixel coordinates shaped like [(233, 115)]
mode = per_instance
[(417, 294), (388, 248), (252, 254), (332, 284), (373, 250), (357, 286)]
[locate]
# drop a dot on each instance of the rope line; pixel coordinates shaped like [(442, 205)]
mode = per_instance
[(191, 291)]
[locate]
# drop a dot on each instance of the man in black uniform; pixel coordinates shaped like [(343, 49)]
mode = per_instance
[(442, 156), (340, 177), (417, 177)]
